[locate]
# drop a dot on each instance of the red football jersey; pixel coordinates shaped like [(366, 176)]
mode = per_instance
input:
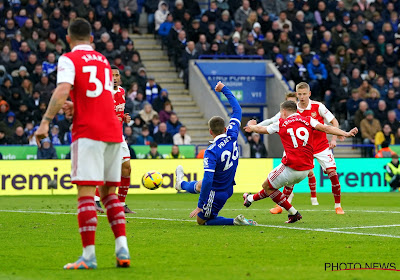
[(318, 111), (296, 133), (90, 74), (119, 103)]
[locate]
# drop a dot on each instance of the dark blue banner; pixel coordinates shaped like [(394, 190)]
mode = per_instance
[(246, 80)]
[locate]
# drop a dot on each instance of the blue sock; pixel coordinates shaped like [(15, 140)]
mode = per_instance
[(220, 221), (189, 186)]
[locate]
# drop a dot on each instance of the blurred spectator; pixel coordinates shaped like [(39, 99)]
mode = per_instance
[(153, 154), (162, 136), (360, 114), (354, 102), (282, 66), (129, 14), (182, 138), (369, 128), (257, 148), (160, 15), (243, 12), (173, 125), (175, 153), (129, 137), (392, 121), (381, 112), (19, 137), (45, 88), (9, 124), (144, 138), (129, 82), (132, 152), (142, 79), (391, 100), (152, 89), (50, 65), (165, 114), (385, 135), (318, 76), (158, 103), (153, 126), (55, 135), (137, 125), (392, 175), (147, 113), (138, 104), (46, 151), (4, 140)]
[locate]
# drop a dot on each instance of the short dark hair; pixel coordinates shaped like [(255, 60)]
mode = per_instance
[(114, 67), (153, 145), (289, 106), (217, 125), (290, 95), (79, 29)]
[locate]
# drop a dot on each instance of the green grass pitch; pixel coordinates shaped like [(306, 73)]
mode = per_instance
[(40, 234)]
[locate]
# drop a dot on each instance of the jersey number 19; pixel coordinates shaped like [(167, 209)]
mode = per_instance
[(303, 137)]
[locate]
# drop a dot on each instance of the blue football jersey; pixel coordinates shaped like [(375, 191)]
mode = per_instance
[(222, 157)]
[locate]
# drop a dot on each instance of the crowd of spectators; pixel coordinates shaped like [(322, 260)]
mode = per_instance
[(33, 37)]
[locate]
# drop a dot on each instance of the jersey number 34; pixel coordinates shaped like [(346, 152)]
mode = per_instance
[(92, 70)]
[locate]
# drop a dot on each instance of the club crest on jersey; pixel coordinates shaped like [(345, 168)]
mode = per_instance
[(313, 114), (205, 162)]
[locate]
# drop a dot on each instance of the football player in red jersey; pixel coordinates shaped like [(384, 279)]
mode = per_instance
[(119, 103), (85, 75), (297, 134)]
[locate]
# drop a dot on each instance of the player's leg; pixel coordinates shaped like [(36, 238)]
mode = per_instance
[(125, 177), (97, 201), (190, 187), (115, 210), (312, 183), (328, 165), (86, 171), (288, 192), (214, 204)]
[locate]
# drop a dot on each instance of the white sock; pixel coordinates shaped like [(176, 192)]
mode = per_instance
[(123, 203), (96, 198), (121, 242), (88, 252), (337, 205), (250, 198), (292, 211), (290, 198)]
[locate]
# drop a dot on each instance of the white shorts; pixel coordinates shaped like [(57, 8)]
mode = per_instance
[(283, 175), (95, 163), (126, 155), (326, 159)]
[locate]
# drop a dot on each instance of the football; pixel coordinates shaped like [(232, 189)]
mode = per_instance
[(152, 180)]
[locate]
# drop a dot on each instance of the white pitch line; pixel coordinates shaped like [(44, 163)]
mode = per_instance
[(182, 220), (379, 226)]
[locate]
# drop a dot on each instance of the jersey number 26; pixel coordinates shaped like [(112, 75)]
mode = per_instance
[(227, 156)]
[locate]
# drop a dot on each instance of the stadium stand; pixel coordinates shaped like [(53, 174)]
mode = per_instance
[(347, 51)]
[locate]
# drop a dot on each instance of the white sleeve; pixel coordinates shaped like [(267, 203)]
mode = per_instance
[(65, 71), (325, 113), (271, 120), (273, 128), (314, 122)]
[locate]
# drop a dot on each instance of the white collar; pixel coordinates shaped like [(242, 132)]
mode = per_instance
[(307, 108), (294, 114), (82, 47), (218, 137)]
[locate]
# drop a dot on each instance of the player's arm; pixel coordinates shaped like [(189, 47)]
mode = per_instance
[(236, 109), (267, 122), (335, 131), (271, 129)]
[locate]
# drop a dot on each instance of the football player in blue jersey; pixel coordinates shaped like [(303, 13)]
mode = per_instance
[(220, 164)]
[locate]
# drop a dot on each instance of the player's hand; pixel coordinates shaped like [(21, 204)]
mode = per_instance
[(42, 132), (127, 118), (341, 138), (251, 122), (68, 108), (195, 212), (219, 86), (120, 119), (352, 132), (332, 144), (249, 128)]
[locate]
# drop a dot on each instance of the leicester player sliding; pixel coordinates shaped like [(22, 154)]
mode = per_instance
[(220, 164)]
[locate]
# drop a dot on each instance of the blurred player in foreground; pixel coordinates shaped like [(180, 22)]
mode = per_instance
[(220, 164), (297, 134), (119, 104), (96, 133)]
